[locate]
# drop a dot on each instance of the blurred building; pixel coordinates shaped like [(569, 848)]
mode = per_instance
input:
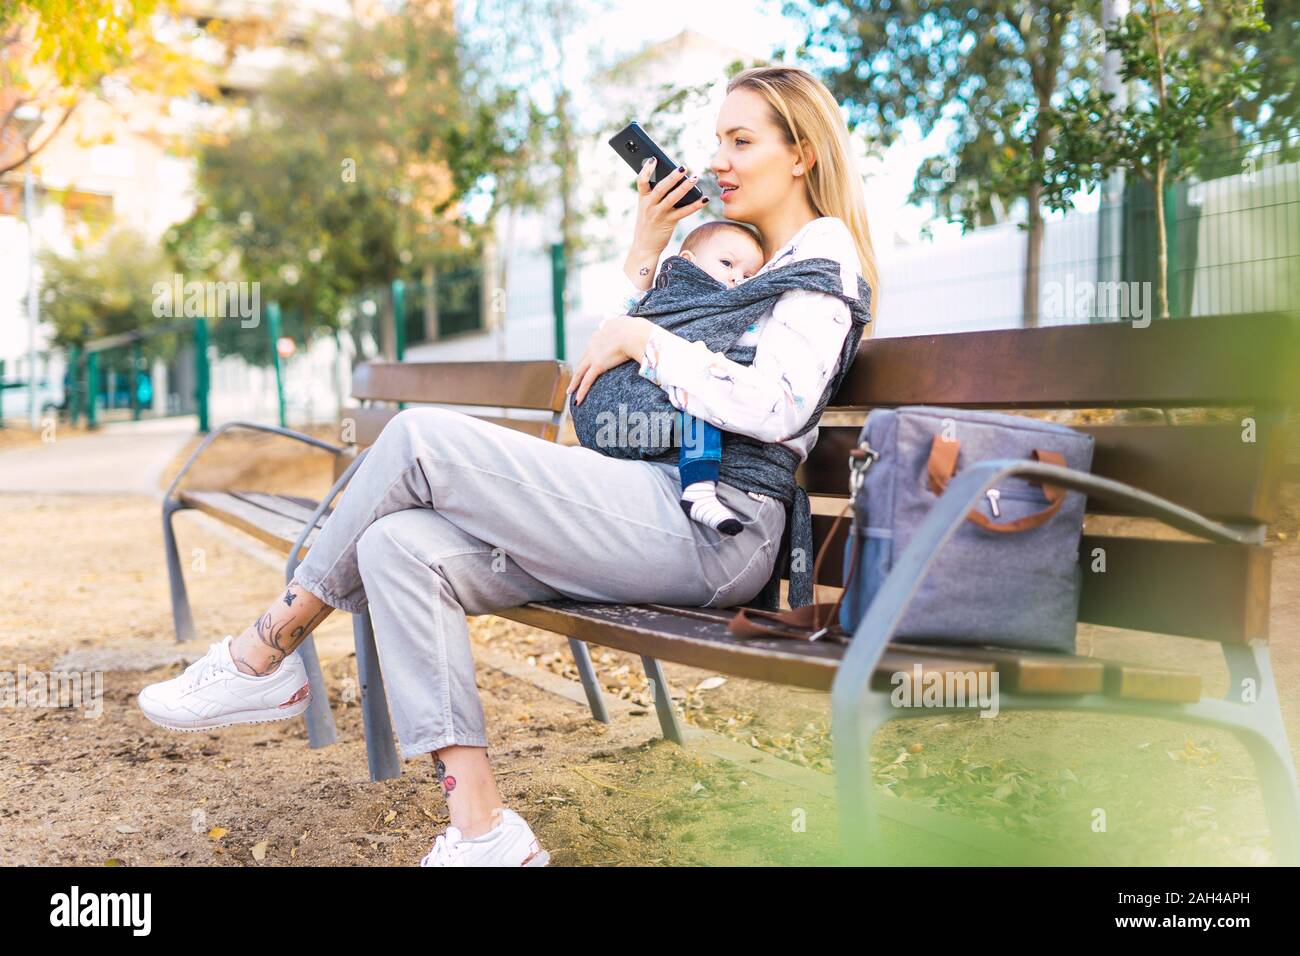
[(124, 158)]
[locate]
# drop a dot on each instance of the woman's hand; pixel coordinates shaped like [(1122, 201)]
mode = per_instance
[(655, 219), (614, 342)]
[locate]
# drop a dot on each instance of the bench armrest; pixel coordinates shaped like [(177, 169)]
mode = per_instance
[(852, 681), (963, 492), (325, 502), (252, 426)]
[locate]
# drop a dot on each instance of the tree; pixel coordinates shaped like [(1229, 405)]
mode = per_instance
[(348, 172), (1270, 115), (990, 68), (1173, 97), (56, 53), (102, 290), (528, 42)]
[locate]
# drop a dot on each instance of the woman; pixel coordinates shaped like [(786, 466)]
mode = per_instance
[(450, 515)]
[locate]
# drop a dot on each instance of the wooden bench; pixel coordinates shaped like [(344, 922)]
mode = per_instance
[(1218, 483)]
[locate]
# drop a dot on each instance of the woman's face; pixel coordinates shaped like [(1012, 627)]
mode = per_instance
[(754, 164)]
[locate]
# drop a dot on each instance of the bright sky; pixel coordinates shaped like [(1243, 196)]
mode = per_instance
[(755, 26)]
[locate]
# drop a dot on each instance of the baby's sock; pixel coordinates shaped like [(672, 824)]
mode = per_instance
[(701, 503)]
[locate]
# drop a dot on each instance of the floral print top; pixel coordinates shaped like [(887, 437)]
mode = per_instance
[(797, 344)]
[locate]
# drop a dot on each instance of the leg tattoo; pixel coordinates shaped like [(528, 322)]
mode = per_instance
[(445, 780), (271, 632)]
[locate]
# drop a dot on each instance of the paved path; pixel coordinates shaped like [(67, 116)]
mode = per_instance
[(121, 458)]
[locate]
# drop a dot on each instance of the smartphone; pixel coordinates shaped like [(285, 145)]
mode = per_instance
[(634, 145)]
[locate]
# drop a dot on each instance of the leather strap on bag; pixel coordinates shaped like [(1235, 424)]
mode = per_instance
[(810, 622), (943, 464)]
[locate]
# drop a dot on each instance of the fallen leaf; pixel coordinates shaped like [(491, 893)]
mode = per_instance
[(259, 850), (709, 683), (216, 833)]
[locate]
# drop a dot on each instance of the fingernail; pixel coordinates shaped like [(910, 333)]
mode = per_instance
[(694, 178), (648, 160), (681, 169), (706, 198)]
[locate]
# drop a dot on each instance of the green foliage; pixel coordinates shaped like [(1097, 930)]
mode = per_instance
[(80, 40), (528, 42), (1270, 114), (990, 68), (103, 290), (1173, 97), (55, 53), (1179, 79), (347, 172)]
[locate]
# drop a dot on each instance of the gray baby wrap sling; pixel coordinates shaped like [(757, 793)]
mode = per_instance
[(689, 302)]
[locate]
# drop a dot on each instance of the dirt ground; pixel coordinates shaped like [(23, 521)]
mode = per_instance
[(83, 581)]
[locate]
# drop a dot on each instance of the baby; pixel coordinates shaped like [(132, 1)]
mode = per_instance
[(731, 254)]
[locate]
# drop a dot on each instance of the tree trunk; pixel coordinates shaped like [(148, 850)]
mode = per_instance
[(1162, 244), (1033, 256)]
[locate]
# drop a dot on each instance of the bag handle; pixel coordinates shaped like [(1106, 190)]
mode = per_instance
[(943, 464)]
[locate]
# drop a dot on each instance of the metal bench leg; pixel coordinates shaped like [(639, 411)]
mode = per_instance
[(381, 752), (182, 616), (1281, 798), (595, 700), (855, 784), (319, 717), (663, 701), (1267, 743)]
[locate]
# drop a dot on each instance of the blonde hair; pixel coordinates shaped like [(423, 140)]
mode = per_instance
[(702, 234), (804, 109)]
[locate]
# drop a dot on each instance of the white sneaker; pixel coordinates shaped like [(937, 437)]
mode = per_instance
[(213, 692), (509, 843)]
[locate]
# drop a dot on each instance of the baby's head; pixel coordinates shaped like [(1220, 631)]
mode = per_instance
[(725, 250)]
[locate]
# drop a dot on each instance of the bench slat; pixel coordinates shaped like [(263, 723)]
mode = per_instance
[(296, 509), (270, 528), (537, 385), (370, 421), (1022, 671), (1209, 360), (698, 637), (1214, 592), (1205, 590), (1137, 682)]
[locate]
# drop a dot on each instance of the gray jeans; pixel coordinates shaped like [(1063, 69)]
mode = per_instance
[(451, 515)]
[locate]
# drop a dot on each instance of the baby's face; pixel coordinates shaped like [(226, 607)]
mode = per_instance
[(729, 257)]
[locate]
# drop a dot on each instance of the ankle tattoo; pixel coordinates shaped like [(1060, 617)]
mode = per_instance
[(445, 780)]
